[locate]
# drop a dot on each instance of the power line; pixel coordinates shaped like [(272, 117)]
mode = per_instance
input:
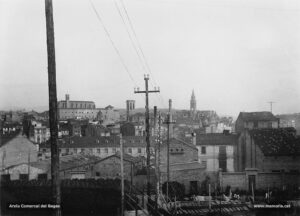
[(139, 46), (130, 37), (112, 42)]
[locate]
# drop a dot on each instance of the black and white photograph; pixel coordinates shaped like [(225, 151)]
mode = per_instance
[(149, 107)]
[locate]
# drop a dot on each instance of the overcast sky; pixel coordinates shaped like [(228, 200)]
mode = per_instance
[(236, 55)]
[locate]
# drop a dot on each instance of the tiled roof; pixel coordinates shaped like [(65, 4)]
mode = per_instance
[(257, 116), (94, 142), (276, 142), (65, 162), (179, 141), (5, 138), (216, 139), (183, 166), (126, 157)]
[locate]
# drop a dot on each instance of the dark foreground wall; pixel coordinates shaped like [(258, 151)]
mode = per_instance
[(79, 197)]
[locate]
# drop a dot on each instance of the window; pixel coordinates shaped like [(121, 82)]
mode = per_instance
[(44, 150), (67, 150), (82, 150), (97, 174), (139, 150), (129, 150), (204, 163), (106, 150), (203, 150), (98, 151)]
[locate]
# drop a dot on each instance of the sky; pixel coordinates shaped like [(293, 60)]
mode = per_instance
[(236, 55)]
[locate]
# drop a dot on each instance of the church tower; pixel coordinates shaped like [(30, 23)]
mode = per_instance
[(193, 105)]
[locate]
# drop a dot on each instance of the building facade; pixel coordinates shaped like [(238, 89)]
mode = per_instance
[(68, 109), (269, 150), (217, 151), (255, 120)]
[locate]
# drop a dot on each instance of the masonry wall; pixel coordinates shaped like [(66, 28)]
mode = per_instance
[(111, 168), (177, 155), (74, 113), (186, 176), (264, 180), (211, 157)]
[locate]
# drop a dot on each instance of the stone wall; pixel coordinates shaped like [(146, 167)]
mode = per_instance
[(263, 180)]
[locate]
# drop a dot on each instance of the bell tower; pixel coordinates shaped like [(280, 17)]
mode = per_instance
[(193, 104)]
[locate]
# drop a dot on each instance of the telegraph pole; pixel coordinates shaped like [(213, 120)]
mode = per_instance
[(147, 91), (156, 156), (122, 175), (52, 107), (168, 122)]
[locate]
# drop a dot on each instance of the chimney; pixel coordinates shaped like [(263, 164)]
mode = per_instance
[(194, 138)]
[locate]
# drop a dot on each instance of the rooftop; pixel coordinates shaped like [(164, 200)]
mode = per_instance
[(277, 142), (216, 139), (257, 116), (94, 142)]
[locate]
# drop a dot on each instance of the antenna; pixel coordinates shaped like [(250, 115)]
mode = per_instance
[(271, 104)]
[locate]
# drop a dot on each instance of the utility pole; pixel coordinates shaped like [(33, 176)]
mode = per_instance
[(156, 156), (122, 175), (271, 105), (158, 152), (55, 183), (168, 122), (147, 91)]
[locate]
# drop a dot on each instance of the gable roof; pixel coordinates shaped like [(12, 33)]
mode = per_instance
[(65, 162), (126, 157), (98, 142), (179, 141), (277, 142), (257, 116), (216, 139)]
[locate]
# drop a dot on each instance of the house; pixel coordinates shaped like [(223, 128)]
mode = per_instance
[(127, 129), (217, 150), (15, 149), (269, 150), (70, 167), (99, 146), (77, 167), (254, 120), (110, 167), (184, 166), (109, 115), (96, 130)]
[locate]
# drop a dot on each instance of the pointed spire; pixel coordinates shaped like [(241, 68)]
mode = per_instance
[(193, 97)]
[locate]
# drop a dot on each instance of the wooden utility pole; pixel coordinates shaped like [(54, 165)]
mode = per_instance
[(147, 91), (158, 152), (53, 107), (122, 175), (156, 156), (169, 122)]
